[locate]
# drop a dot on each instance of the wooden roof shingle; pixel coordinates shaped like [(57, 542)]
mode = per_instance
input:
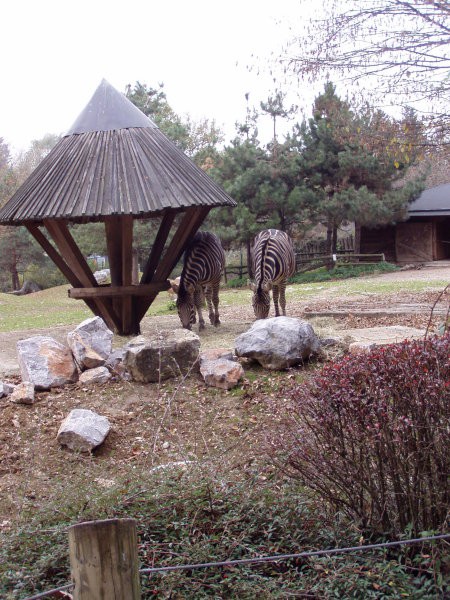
[(113, 161)]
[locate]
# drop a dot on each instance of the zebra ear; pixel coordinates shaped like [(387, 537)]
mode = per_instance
[(266, 287), (190, 288), (251, 285)]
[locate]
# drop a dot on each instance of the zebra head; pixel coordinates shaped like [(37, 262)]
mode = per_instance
[(186, 308), (261, 300)]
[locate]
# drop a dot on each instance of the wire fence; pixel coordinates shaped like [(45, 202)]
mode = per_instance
[(61, 591)]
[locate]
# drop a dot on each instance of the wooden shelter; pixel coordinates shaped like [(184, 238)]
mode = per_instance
[(114, 165), (423, 237)]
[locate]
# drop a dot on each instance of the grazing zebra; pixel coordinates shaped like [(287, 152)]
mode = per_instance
[(273, 261), (204, 263)]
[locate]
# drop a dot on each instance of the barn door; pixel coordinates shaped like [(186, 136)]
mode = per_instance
[(414, 242)]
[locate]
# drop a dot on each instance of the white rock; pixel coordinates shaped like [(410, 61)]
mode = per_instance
[(278, 343), (45, 362), (98, 375), (91, 343), (23, 393), (221, 373), (83, 430)]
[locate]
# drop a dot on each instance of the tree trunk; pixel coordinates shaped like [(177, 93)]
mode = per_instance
[(330, 243), (357, 245), (334, 240)]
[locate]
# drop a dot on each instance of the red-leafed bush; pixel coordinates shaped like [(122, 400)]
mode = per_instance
[(371, 435)]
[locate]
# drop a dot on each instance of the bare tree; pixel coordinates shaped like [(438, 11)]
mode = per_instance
[(397, 51)]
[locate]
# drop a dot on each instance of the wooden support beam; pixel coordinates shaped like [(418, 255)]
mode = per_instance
[(129, 323), (109, 291), (72, 255), (57, 259), (158, 246), (189, 225), (53, 254)]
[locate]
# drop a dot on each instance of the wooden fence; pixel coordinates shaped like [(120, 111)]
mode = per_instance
[(313, 255)]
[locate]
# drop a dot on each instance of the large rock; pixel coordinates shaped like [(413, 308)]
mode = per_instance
[(167, 354), (278, 343), (45, 362), (83, 430), (91, 343)]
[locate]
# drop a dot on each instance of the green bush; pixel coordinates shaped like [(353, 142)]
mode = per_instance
[(46, 276), (342, 272), (237, 282), (370, 435)]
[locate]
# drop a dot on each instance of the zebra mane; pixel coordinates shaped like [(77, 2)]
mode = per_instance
[(263, 257)]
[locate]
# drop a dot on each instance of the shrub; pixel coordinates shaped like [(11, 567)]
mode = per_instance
[(237, 282), (371, 432), (342, 271)]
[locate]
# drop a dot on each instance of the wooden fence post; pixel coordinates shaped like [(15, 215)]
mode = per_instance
[(104, 560)]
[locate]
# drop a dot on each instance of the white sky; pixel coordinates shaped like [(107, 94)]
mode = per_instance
[(56, 52)]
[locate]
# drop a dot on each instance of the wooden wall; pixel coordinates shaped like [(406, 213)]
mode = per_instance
[(377, 241)]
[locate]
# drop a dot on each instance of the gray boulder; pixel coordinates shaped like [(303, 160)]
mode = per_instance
[(45, 363), (91, 343), (83, 430), (278, 343), (167, 354)]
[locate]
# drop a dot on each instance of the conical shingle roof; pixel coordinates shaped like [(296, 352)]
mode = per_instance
[(113, 161)]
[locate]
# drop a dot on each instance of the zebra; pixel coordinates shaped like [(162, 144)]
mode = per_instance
[(273, 262), (204, 263)]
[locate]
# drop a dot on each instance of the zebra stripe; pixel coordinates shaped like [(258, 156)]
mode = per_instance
[(273, 263), (204, 263)]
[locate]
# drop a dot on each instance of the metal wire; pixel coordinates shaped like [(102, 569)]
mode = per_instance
[(262, 559), (246, 561)]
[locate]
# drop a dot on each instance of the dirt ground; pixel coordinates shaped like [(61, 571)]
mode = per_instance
[(177, 420)]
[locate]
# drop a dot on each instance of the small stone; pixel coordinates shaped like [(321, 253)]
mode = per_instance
[(83, 430), (221, 373), (6, 389), (23, 393), (98, 375)]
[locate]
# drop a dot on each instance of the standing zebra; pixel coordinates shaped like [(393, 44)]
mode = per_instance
[(273, 261), (204, 263)]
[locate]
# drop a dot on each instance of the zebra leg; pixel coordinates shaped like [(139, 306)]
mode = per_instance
[(275, 293), (199, 301), (283, 297), (215, 299)]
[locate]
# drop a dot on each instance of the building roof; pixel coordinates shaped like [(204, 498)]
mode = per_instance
[(433, 201), (113, 161)]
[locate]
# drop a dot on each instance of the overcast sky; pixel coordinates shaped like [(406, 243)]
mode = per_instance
[(56, 52)]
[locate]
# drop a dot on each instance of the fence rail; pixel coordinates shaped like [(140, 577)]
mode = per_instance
[(104, 565), (306, 262)]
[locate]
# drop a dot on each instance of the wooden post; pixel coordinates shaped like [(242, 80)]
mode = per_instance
[(104, 560)]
